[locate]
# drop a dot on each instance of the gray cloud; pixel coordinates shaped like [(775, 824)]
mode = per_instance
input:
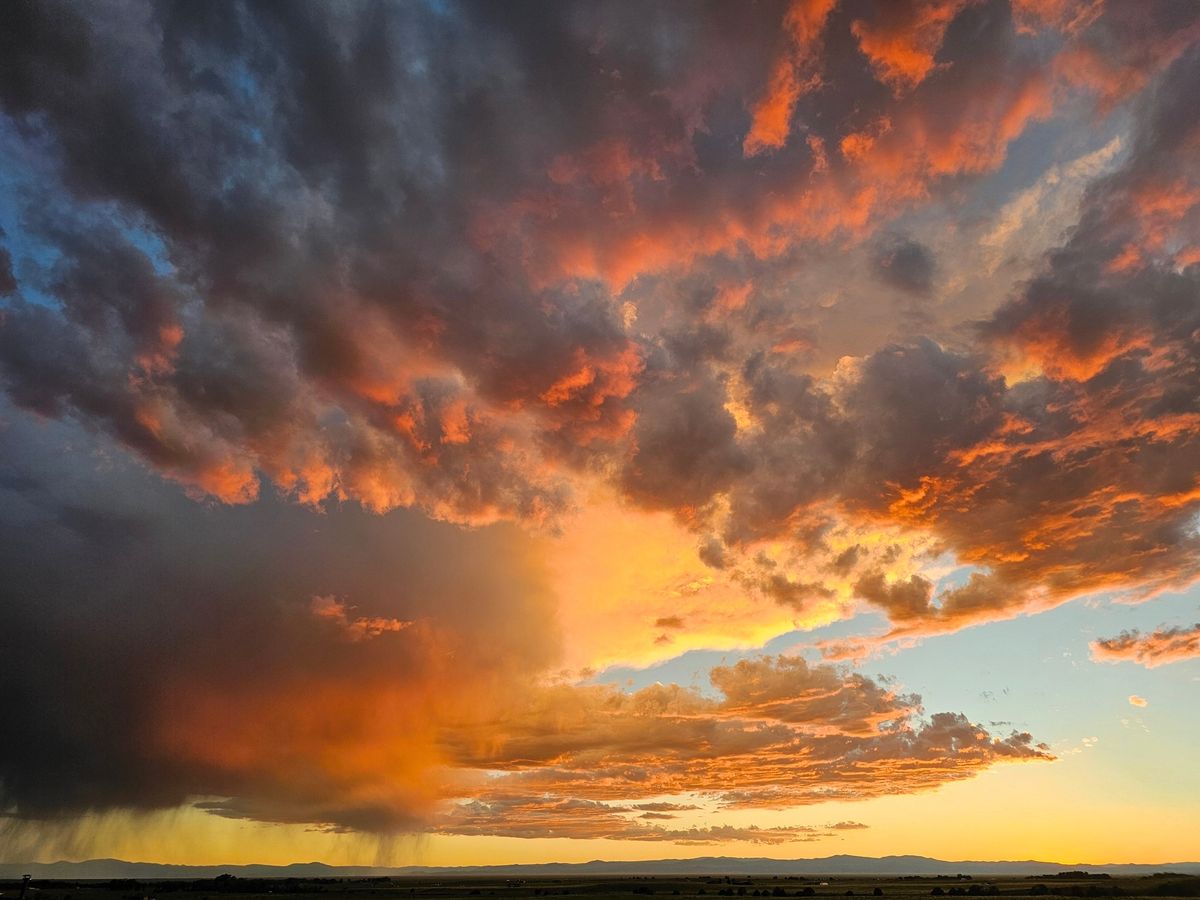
[(907, 265)]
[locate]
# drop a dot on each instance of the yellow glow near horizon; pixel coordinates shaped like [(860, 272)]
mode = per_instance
[(1057, 813)]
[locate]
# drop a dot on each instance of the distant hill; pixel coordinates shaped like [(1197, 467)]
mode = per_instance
[(704, 865)]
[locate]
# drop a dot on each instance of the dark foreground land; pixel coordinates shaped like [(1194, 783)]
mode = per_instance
[(710, 887)]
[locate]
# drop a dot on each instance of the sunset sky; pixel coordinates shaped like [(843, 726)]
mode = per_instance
[(450, 433)]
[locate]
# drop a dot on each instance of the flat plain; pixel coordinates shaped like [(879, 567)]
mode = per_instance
[(1069, 884)]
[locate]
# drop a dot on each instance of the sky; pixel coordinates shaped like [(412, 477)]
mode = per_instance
[(462, 432)]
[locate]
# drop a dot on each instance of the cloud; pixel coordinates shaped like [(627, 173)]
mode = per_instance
[(1041, 457), (902, 40), (317, 723), (1159, 648), (791, 75), (301, 295), (847, 826), (1063, 14), (907, 265), (901, 600), (333, 295), (1135, 700), (8, 282), (783, 734), (540, 817), (422, 685), (685, 448), (336, 611)]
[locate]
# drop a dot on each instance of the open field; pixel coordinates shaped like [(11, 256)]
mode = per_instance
[(601, 888)]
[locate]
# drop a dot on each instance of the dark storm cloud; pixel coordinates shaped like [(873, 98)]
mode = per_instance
[(907, 265), (156, 649)]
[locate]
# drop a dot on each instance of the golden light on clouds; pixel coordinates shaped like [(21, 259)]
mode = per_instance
[(434, 435)]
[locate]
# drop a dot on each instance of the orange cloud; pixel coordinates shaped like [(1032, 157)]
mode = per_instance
[(858, 144), (785, 734), (1159, 648), (903, 39), (356, 629), (539, 816), (1065, 15), (1090, 60), (894, 160), (384, 753), (1045, 344), (791, 75), (353, 755)]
